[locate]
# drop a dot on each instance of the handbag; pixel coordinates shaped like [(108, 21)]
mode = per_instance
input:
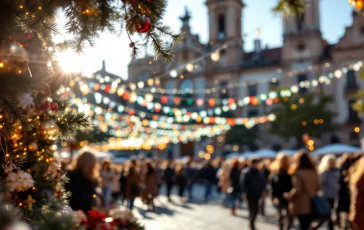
[(320, 207), (134, 189)]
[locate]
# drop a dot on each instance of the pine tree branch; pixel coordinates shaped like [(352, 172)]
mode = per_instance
[(72, 122)]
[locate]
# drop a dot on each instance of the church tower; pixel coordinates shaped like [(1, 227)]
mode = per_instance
[(225, 25), (302, 34)]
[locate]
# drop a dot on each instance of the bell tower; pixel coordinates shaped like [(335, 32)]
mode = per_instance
[(302, 34), (225, 25)]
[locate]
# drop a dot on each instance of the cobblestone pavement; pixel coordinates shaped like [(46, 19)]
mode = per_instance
[(197, 215)]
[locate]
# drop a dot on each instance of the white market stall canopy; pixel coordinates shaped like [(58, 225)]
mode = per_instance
[(336, 149), (119, 160), (289, 152), (265, 153)]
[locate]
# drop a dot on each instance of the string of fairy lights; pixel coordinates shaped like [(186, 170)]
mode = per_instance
[(215, 106), (174, 127)]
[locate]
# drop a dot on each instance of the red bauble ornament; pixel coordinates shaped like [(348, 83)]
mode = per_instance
[(144, 25), (44, 105), (54, 107)]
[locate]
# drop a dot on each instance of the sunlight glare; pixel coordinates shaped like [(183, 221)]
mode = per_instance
[(69, 61)]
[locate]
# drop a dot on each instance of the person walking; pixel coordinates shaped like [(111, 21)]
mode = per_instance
[(344, 191), (209, 178), (190, 176), (168, 177), (224, 182), (329, 178), (253, 187), (181, 180), (281, 183), (150, 182), (234, 189), (107, 179), (122, 183), (357, 191), (264, 168), (83, 180), (132, 184), (306, 184)]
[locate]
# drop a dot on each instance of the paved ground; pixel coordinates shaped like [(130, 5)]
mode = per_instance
[(197, 215)]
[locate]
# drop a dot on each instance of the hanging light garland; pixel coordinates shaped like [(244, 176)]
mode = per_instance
[(216, 104)]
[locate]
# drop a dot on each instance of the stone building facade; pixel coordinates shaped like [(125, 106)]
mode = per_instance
[(305, 55)]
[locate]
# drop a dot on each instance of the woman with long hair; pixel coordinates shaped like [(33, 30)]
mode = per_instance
[(83, 177), (107, 175), (329, 178), (306, 184), (181, 180), (224, 181), (357, 195), (344, 190), (132, 183), (281, 183), (150, 182), (235, 189)]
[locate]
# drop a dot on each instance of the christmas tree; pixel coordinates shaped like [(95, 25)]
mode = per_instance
[(34, 115)]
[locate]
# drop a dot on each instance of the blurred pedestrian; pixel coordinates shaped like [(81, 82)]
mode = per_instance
[(281, 183), (209, 178), (190, 176), (306, 184), (224, 181), (344, 190), (264, 168), (234, 189), (122, 184), (181, 180), (150, 182), (107, 175), (253, 187), (169, 177), (83, 180), (133, 188), (357, 190), (329, 178)]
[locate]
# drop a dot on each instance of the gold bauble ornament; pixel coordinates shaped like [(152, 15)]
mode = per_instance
[(13, 58), (49, 130), (33, 147)]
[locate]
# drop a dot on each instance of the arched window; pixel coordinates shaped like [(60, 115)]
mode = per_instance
[(221, 27), (351, 80), (145, 76), (187, 88), (353, 115)]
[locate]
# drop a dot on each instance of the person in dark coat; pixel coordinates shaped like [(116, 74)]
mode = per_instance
[(181, 180), (253, 186), (169, 178), (83, 180), (209, 179), (344, 190), (235, 190), (122, 184), (281, 183), (133, 184), (191, 177)]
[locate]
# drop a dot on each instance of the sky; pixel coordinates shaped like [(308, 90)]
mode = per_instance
[(114, 49)]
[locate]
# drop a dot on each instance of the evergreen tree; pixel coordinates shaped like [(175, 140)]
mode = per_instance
[(34, 114)]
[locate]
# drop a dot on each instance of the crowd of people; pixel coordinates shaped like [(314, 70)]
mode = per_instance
[(296, 186)]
